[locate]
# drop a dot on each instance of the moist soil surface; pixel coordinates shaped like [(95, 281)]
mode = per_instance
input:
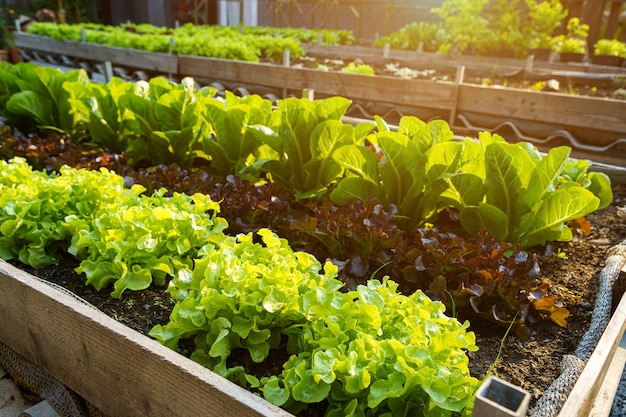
[(572, 268)]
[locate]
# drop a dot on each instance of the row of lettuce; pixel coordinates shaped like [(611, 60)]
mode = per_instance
[(366, 350), (512, 190), (458, 26), (243, 43), (369, 351)]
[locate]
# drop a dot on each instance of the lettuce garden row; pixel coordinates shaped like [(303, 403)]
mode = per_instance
[(347, 348), (244, 43), (365, 189)]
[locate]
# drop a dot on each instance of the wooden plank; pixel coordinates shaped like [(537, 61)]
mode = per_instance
[(606, 395), (134, 58), (543, 107), (434, 60), (580, 399), (110, 365), (438, 95)]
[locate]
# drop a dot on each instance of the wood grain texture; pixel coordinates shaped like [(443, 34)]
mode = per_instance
[(110, 365), (438, 95), (559, 109), (120, 56), (581, 398)]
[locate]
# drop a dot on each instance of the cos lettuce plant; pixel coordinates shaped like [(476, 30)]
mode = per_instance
[(232, 144), (305, 136), (419, 169), (365, 352), (36, 97), (165, 120), (525, 198)]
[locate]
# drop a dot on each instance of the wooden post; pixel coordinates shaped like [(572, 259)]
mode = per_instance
[(108, 71), (530, 62), (613, 22), (593, 17), (460, 75), (61, 12)]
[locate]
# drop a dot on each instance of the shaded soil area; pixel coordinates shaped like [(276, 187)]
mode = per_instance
[(572, 268)]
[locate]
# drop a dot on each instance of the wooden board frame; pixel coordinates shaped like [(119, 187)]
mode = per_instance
[(151, 61), (580, 401), (115, 368), (602, 114), (437, 95)]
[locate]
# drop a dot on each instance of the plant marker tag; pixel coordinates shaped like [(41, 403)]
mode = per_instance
[(108, 71), (529, 62), (386, 50), (499, 398)]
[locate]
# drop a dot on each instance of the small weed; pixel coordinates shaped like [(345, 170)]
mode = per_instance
[(538, 86), (354, 68)]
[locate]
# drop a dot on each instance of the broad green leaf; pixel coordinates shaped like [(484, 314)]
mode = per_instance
[(485, 216), (401, 162), (546, 173), (463, 190), (360, 161), (29, 103), (600, 186), (276, 392), (354, 188), (384, 389), (508, 172), (558, 208), (332, 108), (431, 134)]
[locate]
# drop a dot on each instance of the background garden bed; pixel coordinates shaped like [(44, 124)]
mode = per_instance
[(594, 127)]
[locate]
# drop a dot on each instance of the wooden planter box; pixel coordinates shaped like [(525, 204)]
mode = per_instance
[(595, 388), (151, 61), (118, 370), (124, 373), (592, 126)]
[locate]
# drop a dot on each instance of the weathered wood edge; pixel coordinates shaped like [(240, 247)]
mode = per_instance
[(431, 94), (602, 114), (135, 58), (118, 370), (606, 395), (580, 399), (446, 61)]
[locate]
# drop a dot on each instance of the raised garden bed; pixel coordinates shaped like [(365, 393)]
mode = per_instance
[(116, 369), (593, 127), (565, 286), (96, 352)]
